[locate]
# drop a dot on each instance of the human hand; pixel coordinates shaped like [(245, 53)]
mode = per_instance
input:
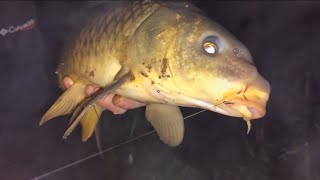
[(114, 103)]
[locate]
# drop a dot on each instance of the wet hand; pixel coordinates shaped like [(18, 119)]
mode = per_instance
[(114, 103)]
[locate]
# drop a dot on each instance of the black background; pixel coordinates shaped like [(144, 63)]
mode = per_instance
[(283, 38)]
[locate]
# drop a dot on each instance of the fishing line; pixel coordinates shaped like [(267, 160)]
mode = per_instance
[(97, 133), (106, 150)]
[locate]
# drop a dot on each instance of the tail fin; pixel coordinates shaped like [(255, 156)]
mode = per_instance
[(66, 103)]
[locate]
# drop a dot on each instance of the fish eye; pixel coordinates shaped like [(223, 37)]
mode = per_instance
[(210, 47)]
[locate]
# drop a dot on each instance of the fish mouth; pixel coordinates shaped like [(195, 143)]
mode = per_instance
[(248, 108), (244, 108), (250, 103)]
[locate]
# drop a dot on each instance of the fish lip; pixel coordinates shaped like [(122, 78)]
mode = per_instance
[(225, 110), (249, 109)]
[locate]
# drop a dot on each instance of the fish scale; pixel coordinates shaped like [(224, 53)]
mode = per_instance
[(96, 38)]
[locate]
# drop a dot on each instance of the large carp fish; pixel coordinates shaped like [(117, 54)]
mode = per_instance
[(165, 55)]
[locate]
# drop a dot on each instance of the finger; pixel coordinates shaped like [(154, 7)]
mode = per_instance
[(126, 103), (107, 103), (67, 82), (90, 89)]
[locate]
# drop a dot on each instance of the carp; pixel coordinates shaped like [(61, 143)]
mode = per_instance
[(166, 55)]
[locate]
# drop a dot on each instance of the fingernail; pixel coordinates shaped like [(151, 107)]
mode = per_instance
[(67, 82)]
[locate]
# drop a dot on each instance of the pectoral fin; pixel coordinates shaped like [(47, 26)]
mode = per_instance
[(89, 103), (167, 121)]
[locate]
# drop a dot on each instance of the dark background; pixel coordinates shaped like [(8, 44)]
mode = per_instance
[(283, 38)]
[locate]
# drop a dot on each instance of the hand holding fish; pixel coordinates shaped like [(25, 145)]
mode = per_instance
[(115, 103)]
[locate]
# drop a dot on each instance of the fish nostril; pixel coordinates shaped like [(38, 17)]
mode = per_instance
[(238, 52), (243, 54)]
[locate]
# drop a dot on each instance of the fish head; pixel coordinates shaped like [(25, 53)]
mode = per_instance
[(195, 62)]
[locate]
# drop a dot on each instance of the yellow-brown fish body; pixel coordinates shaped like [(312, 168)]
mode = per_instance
[(175, 57), (102, 49), (99, 51)]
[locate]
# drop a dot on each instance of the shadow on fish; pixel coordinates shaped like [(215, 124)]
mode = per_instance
[(165, 55)]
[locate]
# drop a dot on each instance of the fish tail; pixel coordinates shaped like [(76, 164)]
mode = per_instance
[(89, 121), (66, 103)]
